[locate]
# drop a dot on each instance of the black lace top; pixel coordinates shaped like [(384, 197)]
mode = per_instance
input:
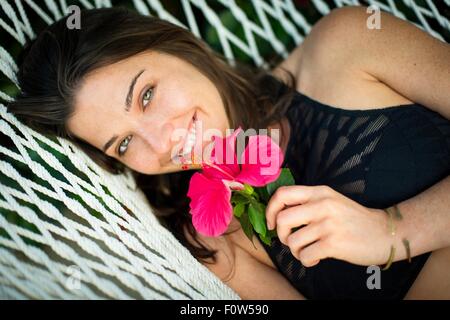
[(376, 157)]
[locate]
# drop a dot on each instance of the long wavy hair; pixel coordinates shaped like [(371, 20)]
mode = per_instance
[(53, 65)]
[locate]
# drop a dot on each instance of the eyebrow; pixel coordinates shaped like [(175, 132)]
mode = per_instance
[(128, 100)]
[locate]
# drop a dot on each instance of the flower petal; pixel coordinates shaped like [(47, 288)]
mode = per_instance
[(223, 156), (260, 161), (210, 205)]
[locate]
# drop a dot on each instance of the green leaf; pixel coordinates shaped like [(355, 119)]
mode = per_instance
[(285, 179), (239, 198), (247, 226), (272, 233), (267, 239), (248, 189), (257, 217), (239, 209), (263, 194), (260, 207)]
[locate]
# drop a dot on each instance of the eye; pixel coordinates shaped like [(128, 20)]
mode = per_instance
[(124, 145), (147, 96)]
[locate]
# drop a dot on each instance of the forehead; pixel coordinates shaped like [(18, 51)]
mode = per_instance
[(119, 70), (112, 81)]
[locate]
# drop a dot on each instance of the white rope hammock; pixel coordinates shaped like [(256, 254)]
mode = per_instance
[(71, 230)]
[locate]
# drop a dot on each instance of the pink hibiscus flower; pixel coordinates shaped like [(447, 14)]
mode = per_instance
[(210, 190)]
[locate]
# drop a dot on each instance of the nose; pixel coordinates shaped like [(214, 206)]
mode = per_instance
[(157, 136)]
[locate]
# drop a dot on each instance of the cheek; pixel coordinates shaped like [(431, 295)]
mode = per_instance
[(178, 95), (214, 106), (142, 159), (188, 89)]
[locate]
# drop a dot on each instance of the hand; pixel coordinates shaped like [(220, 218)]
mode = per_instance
[(334, 226)]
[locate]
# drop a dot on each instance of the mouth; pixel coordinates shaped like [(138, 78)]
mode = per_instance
[(189, 139)]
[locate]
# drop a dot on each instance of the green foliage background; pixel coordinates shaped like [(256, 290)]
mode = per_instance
[(209, 33)]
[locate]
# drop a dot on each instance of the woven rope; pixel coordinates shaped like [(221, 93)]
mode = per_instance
[(69, 229)]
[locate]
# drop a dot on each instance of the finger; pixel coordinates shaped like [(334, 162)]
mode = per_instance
[(313, 263), (291, 195), (304, 237), (312, 254), (297, 216)]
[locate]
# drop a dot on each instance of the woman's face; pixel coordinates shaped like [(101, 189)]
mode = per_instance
[(163, 94)]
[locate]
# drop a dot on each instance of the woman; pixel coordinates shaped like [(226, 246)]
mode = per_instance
[(122, 85)]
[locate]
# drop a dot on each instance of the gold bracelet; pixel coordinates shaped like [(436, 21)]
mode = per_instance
[(391, 221), (398, 216), (397, 213), (391, 258), (408, 249)]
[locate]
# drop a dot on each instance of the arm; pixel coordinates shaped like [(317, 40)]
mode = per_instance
[(417, 66), (426, 220), (338, 227)]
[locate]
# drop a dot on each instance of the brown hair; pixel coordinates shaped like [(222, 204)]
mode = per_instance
[(53, 65)]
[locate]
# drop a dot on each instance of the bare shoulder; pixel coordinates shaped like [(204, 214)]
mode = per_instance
[(338, 55), (326, 45), (291, 64), (357, 36), (247, 276), (331, 36)]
